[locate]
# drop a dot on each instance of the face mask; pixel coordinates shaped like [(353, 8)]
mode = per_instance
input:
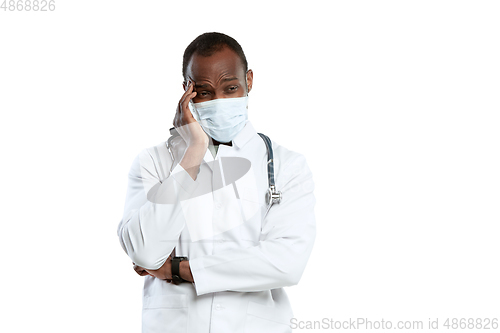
[(221, 118)]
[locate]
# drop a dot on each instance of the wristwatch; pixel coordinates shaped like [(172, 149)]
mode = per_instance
[(176, 275)]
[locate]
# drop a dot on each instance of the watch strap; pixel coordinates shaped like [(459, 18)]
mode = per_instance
[(176, 275)]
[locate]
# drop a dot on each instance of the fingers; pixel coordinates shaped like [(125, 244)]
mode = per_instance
[(178, 111), (183, 115), (141, 271), (188, 95)]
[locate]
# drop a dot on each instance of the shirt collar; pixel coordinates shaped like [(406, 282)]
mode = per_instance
[(245, 135)]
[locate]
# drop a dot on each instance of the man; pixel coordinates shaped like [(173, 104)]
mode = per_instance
[(206, 201)]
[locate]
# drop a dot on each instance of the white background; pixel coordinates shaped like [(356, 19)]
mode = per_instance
[(395, 105)]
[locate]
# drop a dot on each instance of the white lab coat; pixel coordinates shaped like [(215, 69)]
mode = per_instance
[(240, 257)]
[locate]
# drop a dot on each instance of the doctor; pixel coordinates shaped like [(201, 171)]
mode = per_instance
[(204, 204)]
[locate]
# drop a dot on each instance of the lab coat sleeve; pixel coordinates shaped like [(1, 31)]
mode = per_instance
[(286, 242), (149, 231)]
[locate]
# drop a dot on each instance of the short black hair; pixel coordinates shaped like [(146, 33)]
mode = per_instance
[(207, 44)]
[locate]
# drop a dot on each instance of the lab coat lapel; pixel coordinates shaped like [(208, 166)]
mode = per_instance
[(209, 159)]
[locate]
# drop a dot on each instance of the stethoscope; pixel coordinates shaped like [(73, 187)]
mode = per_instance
[(272, 195)]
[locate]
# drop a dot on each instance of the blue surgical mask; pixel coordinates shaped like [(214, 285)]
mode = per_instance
[(222, 118)]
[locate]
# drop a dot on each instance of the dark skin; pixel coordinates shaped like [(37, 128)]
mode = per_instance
[(220, 75)]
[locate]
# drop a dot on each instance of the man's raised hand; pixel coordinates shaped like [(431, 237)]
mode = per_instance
[(184, 122)]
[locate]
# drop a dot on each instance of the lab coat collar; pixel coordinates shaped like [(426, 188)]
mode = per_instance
[(245, 135), (240, 140)]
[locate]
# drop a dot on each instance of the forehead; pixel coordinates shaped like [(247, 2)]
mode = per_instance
[(221, 63)]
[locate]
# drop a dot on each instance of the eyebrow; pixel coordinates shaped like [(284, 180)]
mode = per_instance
[(223, 80)]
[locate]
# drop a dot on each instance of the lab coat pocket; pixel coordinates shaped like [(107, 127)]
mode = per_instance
[(261, 318), (248, 193), (250, 203), (165, 313)]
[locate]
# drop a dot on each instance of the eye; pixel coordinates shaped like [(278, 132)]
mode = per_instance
[(233, 88), (203, 93)]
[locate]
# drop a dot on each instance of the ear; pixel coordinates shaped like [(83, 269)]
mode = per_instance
[(249, 80)]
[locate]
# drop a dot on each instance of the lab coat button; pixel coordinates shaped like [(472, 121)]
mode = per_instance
[(218, 205), (218, 307)]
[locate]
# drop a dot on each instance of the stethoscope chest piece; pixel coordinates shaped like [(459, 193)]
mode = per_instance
[(273, 196)]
